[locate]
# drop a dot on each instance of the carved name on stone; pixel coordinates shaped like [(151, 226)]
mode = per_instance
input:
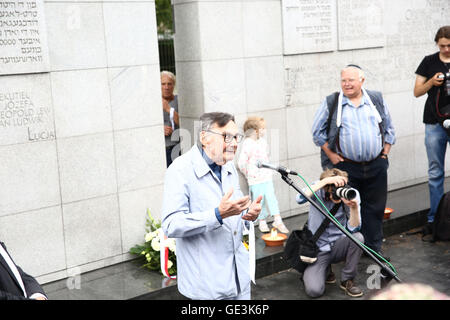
[(25, 109)]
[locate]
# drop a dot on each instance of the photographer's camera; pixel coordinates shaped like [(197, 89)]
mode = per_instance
[(345, 192), (446, 78)]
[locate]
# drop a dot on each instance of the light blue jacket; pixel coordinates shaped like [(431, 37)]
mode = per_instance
[(211, 258)]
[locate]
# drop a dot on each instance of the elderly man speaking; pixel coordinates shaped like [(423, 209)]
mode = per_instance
[(204, 208)]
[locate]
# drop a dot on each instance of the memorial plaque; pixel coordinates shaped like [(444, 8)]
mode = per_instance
[(360, 24), (25, 109), (309, 26), (23, 38)]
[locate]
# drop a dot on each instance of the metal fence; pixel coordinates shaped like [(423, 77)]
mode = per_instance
[(166, 54)]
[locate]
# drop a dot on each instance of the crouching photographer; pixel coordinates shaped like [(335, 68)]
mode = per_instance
[(333, 246)]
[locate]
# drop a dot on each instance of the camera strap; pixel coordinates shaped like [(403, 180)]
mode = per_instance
[(325, 223)]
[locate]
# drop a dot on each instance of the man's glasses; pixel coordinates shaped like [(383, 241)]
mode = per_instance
[(228, 137)]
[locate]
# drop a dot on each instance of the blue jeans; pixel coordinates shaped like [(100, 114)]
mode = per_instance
[(436, 140)]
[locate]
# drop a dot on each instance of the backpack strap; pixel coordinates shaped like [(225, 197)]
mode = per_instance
[(325, 223), (332, 105), (332, 102)]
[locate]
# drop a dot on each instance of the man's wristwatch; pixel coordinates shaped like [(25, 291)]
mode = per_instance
[(384, 155)]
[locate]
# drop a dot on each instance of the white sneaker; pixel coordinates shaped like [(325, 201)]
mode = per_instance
[(280, 226), (263, 226)]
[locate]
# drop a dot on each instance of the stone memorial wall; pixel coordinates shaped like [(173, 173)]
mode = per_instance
[(81, 134)]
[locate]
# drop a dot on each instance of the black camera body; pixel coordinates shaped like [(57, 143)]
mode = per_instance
[(446, 85), (345, 192)]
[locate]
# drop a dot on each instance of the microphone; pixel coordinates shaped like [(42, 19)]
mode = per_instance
[(280, 169), (446, 124)]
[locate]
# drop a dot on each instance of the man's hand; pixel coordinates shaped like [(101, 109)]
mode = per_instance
[(354, 219), (254, 210), (166, 106), (338, 181), (333, 156), (435, 81), (228, 208), (422, 85), (352, 204), (168, 130)]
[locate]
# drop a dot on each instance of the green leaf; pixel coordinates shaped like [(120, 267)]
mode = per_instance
[(137, 249)]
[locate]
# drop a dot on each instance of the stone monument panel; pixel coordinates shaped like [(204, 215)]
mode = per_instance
[(309, 26), (360, 24), (23, 38), (25, 109)]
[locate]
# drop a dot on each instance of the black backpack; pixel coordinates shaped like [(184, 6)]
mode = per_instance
[(441, 223), (301, 249), (439, 229)]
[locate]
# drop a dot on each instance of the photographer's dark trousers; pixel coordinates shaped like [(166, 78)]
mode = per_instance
[(343, 249), (370, 179)]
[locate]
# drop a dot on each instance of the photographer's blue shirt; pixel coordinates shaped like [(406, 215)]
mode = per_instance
[(212, 262), (331, 233)]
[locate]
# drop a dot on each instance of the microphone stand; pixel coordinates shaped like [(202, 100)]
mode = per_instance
[(386, 273)]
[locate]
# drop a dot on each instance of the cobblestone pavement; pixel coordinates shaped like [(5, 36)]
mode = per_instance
[(416, 261)]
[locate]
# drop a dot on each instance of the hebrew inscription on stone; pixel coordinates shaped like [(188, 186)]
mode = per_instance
[(23, 38), (309, 26)]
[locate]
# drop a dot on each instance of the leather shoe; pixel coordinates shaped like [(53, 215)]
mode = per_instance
[(331, 278), (351, 289)]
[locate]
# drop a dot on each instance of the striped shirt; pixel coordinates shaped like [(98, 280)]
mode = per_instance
[(359, 136)]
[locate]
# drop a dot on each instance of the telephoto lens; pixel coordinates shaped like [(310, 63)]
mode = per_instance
[(345, 192)]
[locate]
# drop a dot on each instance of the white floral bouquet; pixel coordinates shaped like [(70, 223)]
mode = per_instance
[(151, 249)]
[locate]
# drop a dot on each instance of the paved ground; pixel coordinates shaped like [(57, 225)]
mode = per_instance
[(415, 261)]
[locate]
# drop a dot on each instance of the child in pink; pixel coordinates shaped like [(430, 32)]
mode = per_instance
[(254, 149)]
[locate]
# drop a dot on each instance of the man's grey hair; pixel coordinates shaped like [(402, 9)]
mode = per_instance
[(354, 66), (170, 75), (207, 120)]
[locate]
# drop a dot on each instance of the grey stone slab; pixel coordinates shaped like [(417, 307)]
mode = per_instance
[(23, 166), (87, 167), (33, 234), (309, 26), (83, 241), (26, 109), (76, 35), (23, 37), (360, 24)]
